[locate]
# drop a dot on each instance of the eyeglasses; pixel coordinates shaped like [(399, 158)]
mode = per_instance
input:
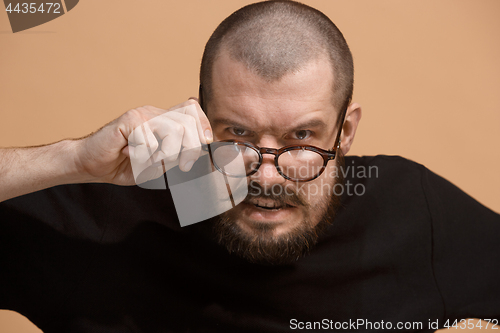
[(295, 163)]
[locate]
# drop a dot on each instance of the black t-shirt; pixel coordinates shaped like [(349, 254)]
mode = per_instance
[(411, 250)]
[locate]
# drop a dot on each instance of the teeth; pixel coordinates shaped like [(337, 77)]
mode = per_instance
[(266, 204), (269, 205)]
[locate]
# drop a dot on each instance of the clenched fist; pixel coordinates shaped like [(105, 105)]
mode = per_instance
[(144, 142)]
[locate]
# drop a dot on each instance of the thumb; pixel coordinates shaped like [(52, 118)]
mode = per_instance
[(204, 127)]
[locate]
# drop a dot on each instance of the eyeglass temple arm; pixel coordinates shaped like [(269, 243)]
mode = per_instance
[(200, 97), (341, 123), (200, 101)]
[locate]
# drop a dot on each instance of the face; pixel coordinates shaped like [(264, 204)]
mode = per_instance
[(279, 219)]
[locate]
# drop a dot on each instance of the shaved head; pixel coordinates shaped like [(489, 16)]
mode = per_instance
[(275, 38)]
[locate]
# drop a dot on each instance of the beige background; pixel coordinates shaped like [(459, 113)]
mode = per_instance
[(427, 76)]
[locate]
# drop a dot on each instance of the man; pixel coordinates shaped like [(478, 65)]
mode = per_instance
[(300, 252)]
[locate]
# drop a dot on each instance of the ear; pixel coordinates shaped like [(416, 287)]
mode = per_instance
[(352, 118)]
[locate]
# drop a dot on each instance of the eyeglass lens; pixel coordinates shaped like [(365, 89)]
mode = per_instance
[(295, 164), (300, 163)]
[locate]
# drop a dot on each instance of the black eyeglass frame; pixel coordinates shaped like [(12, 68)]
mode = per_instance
[(327, 155)]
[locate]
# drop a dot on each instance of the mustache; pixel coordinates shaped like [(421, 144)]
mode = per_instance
[(281, 195)]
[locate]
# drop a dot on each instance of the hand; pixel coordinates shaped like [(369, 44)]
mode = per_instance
[(147, 136)]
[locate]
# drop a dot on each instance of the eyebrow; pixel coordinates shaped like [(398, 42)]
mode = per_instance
[(227, 122), (313, 123)]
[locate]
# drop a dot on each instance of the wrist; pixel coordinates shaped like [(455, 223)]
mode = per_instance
[(68, 162)]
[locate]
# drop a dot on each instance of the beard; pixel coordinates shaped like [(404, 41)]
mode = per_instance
[(260, 245)]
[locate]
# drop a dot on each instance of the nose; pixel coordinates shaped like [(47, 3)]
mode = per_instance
[(267, 175)]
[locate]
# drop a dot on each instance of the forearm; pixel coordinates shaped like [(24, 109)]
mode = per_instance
[(26, 170), (103, 156)]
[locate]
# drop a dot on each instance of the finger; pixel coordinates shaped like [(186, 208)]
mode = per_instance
[(176, 130), (152, 109), (171, 134), (192, 108), (187, 127), (126, 151), (188, 158), (205, 129), (180, 106), (144, 141), (190, 140)]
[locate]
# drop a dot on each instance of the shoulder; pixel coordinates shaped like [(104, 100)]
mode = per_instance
[(384, 173), (385, 162), (384, 190), (397, 179)]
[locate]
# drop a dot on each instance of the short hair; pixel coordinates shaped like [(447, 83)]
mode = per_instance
[(274, 38)]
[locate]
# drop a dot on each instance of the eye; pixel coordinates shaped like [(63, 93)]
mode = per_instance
[(238, 131), (301, 135)]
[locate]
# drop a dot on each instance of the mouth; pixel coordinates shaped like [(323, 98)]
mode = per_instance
[(268, 205), (256, 211)]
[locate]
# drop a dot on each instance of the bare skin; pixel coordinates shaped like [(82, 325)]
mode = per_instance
[(102, 157)]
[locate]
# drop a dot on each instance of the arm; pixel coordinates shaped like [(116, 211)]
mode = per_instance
[(26, 170), (103, 156)]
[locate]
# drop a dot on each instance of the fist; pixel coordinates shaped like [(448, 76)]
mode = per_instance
[(145, 142)]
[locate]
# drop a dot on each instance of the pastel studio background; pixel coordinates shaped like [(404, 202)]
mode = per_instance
[(427, 76)]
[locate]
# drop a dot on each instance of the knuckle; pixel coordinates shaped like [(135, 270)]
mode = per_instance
[(137, 113), (191, 102), (131, 115), (131, 112), (153, 144), (149, 107), (178, 128)]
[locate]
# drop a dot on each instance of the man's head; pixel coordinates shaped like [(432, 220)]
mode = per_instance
[(274, 38), (278, 74)]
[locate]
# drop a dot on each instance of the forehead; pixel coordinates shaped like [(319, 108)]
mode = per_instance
[(238, 92)]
